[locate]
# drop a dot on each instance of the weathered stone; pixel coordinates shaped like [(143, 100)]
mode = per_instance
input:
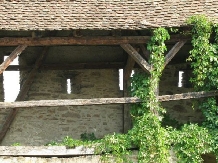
[(71, 114)]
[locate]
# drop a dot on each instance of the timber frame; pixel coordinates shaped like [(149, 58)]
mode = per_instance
[(124, 42)]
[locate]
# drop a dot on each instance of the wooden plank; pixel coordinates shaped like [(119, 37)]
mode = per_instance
[(102, 101), (73, 102), (137, 57), (128, 68), (189, 95), (11, 57), (73, 66), (173, 51), (22, 94), (94, 40)]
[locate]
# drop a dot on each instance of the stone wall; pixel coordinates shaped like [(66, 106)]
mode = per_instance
[(38, 126), (181, 110)]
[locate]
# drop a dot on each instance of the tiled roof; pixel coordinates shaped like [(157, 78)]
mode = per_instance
[(100, 14)]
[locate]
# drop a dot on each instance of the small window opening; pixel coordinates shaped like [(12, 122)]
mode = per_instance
[(180, 83), (11, 83), (121, 79), (69, 86), (184, 79)]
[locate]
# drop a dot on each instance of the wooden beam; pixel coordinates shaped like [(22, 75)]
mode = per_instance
[(73, 102), (189, 95), (11, 57), (102, 101), (95, 40), (173, 51), (145, 52), (22, 94), (73, 66), (28, 82), (137, 57), (128, 68)]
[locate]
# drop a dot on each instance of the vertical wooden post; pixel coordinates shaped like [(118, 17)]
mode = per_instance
[(1, 83), (127, 122)]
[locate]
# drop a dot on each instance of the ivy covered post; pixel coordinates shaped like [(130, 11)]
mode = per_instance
[(147, 133)]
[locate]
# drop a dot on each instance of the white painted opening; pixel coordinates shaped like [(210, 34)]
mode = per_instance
[(69, 89), (121, 79), (180, 84), (11, 83)]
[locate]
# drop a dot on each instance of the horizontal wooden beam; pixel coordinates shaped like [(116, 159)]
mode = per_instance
[(102, 101), (94, 40), (189, 95), (73, 102), (101, 65)]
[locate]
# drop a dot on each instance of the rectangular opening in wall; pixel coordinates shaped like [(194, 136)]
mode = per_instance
[(69, 86), (180, 83), (184, 79), (121, 79), (11, 83)]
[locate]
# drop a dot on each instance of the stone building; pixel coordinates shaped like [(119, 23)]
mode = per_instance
[(74, 49)]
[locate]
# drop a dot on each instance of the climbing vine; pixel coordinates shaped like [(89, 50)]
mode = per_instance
[(151, 135), (204, 57), (154, 140), (147, 134)]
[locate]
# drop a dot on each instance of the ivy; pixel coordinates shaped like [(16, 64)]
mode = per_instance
[(150, 134), (153, 133), (190, 142), (205, 64), (147, 134)]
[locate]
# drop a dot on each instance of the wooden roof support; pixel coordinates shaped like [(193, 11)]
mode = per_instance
[(128, 68), (22, 94), (99, 65), (94, 40), (102, 101), (137, 57), (173, 51), (11, 57), (145, 52)]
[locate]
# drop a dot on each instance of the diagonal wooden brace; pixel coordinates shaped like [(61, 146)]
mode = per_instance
[(11, 57), (137, 57), (173, 51)]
